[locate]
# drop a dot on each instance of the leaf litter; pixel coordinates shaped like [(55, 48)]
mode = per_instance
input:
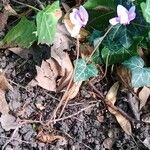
[(7, 120)]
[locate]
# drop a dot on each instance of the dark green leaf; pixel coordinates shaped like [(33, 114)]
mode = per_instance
[(84, 71), (146, 10), (21, 34), (120, 54), (91, 4), (140, 74), (46, 23)]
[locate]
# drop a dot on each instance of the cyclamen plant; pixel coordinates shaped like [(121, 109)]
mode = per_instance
[(124, 16), (79, 18)]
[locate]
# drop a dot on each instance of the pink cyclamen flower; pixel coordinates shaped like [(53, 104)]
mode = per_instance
[(124, 15), (79, 18)]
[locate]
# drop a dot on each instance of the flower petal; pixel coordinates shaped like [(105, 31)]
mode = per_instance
[(72, 16), (114, 21), (83, 15), (122, 14), (132, 13), (76, 30)]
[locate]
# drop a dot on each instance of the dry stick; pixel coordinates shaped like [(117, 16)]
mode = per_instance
[(59, 119), (60, 104), (70, 116), (102, 38), (99, 43), (26, 5), (40, 4), (11, 138), (114, 107), (66, 92), (78, 51)]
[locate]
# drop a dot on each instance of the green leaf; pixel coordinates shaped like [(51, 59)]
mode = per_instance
[(118, 36), (21, 34), (84, 71), (146, 10), (140, 74), (91, 4), (46, 23), (119, 54)]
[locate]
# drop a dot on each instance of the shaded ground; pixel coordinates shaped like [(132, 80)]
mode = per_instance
[(94, 129)]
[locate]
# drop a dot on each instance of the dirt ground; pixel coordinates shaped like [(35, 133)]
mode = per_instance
[(94, 129)]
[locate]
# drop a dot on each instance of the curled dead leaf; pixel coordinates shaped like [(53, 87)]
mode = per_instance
[(47, 75), (49, 138), (73, 91), (4, 85), (110, 101), (124, 76), (144, 96)]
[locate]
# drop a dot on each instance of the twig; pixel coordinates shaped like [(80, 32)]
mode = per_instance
[(59, 119), (26, 5), (40, 4), (11, 138), (114, 107), (66, 92), (70, 116), (99, 43), (22, 141), (78, 51)]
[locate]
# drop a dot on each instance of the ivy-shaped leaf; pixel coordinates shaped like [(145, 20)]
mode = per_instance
[(84, 71), (140, 74), (21, 35), (46, 23), (119, 54), (146, 10), (118, 36)]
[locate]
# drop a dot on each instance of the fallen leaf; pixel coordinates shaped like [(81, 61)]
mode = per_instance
[(40, 106), (107, 144), (47, 75), (49, 138), (61, 43), (22, 52), (86, 50), (73, 91), (110, 100), (4, 86), (4, 16), (3, 21), (124, 76), (8, 122), (143, 95), (146, 142)]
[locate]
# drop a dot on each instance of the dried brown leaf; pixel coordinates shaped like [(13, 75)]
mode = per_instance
[(143, 95), (8, 10), (8, 122), (124, 123), (124, 76), (4, 109), (48, 138), (86, 50), (110, 100), (3, 21), (64, 61), (47, 74), (4, 85), (23, 53), (112, 93), (73, 91)]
